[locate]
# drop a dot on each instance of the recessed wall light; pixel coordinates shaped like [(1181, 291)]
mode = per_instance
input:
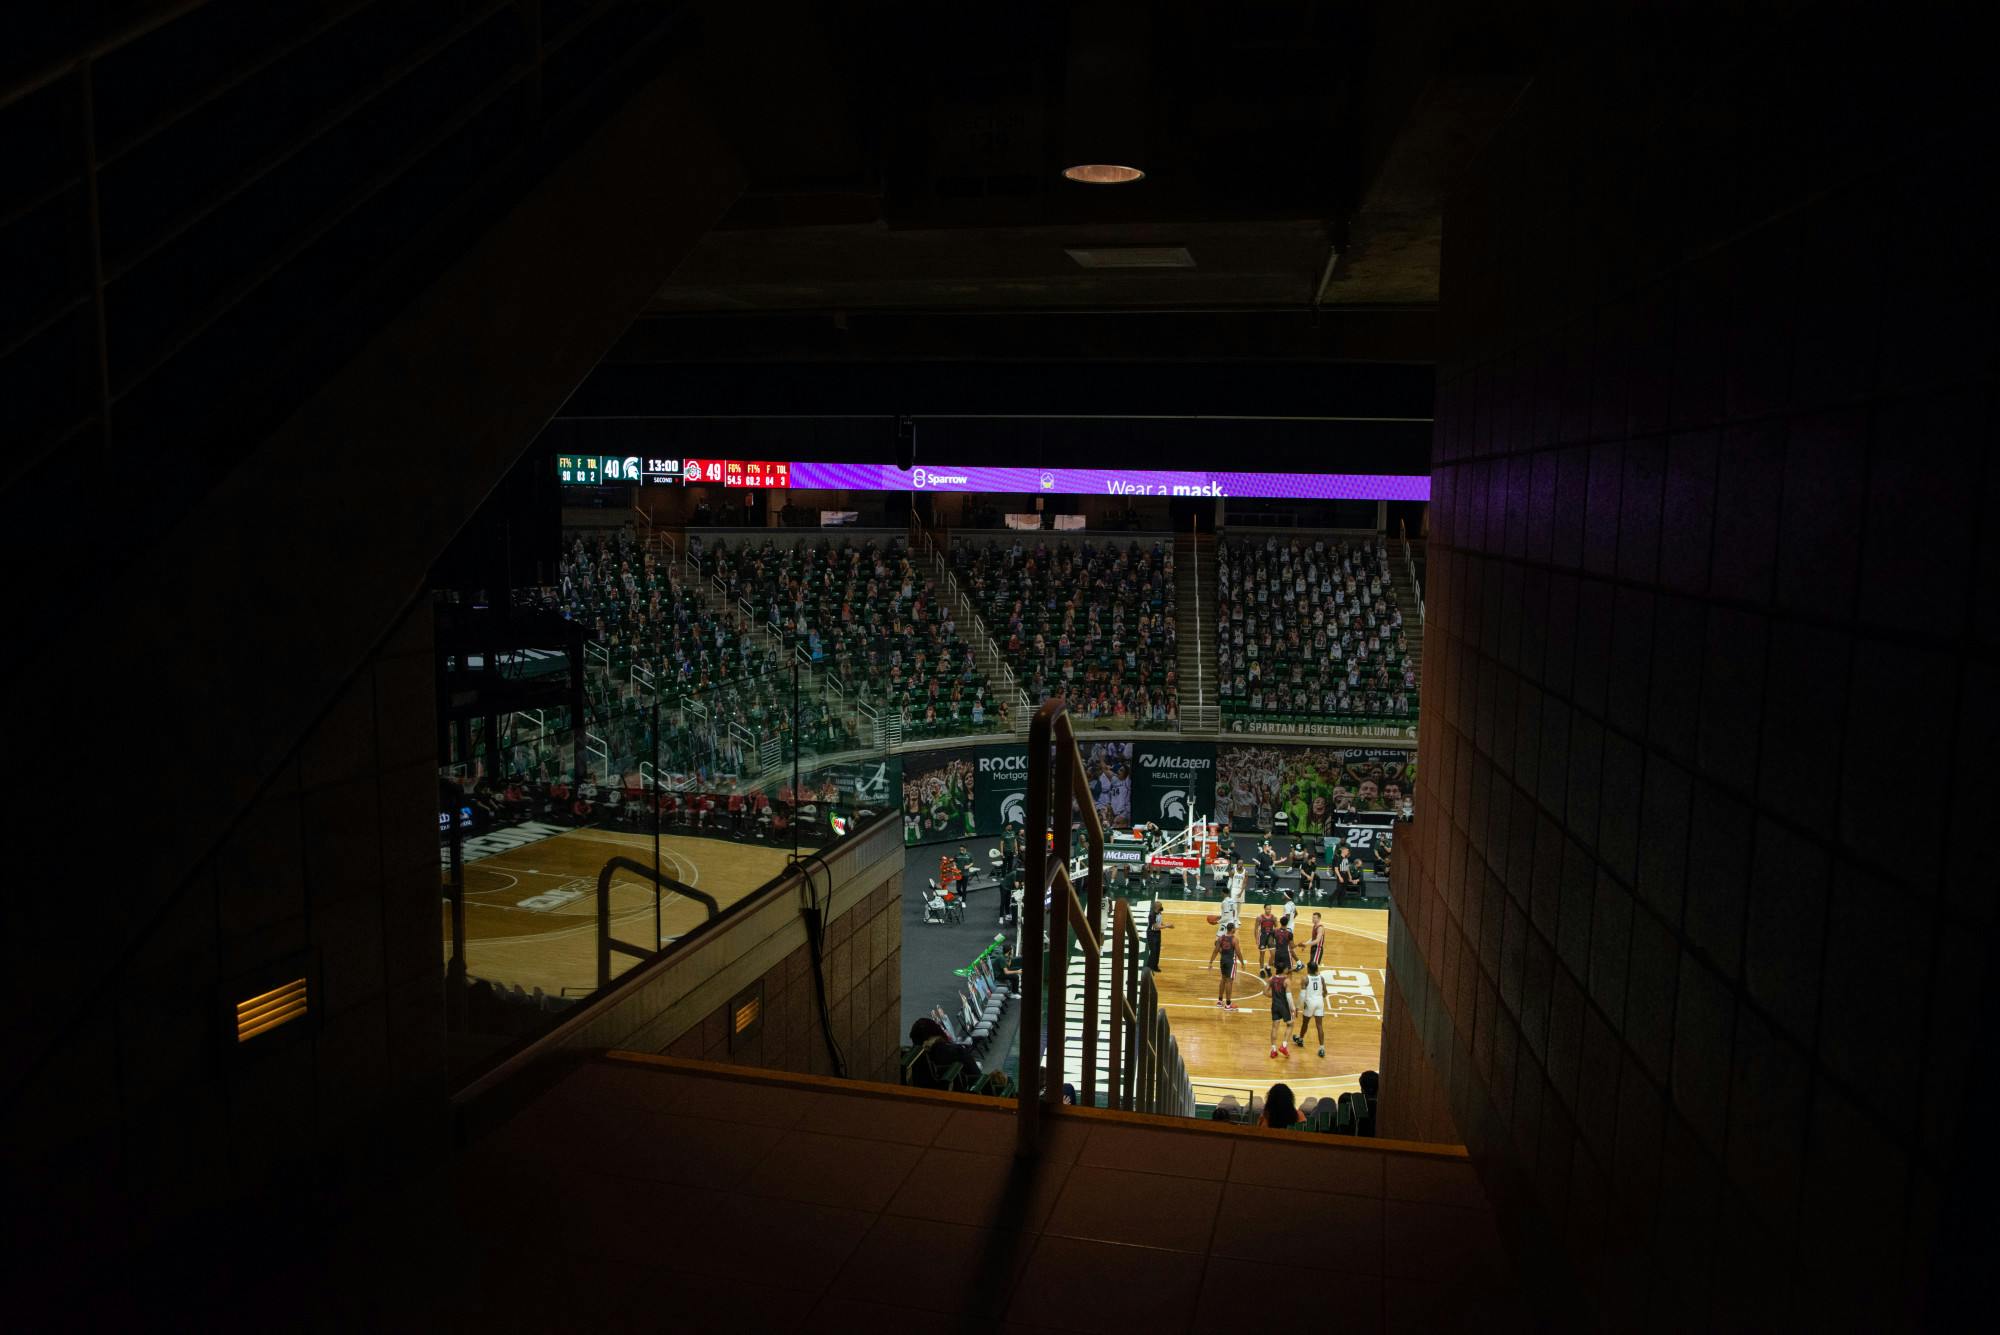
[(1103, 173)]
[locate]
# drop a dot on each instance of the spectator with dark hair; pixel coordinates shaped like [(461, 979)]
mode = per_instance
[(935, 1056), (1281, 1109), (1267, 864)]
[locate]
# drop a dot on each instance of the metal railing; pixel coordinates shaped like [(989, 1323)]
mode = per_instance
[(984, 647), (1416, 585), (1144, 1069), (607, 944), (1200, 666)]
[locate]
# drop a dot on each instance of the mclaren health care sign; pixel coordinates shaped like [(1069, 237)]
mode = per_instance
[(1173, 782)]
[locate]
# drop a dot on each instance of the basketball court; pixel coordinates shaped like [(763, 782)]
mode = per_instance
[(531, 899), (1228, 1052)]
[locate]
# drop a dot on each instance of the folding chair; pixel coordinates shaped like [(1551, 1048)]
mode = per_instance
[(993, 978), (987, 1011), (934, 906), (980, 1027)]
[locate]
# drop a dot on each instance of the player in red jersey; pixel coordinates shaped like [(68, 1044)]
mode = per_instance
[(1316, 944), (1267, 936), (1225, 945), (1281, 1015)]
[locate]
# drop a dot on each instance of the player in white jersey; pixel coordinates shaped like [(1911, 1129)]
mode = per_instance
[(1231, 911), (1312, 1006)]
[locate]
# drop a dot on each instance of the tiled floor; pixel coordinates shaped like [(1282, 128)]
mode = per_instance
[(667, 1196)]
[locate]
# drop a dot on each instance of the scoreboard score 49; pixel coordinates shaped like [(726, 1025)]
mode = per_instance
[(738, 473)]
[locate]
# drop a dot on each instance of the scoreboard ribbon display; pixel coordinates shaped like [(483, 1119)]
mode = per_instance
[(601, 470), (596, 470)]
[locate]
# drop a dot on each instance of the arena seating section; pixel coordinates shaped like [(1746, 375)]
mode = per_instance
[(623, 596), (1091, 620), (1308, 629), (875, 619), (709, 668)]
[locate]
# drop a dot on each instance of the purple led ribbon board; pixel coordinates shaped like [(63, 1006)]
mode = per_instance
[(1115, 482)]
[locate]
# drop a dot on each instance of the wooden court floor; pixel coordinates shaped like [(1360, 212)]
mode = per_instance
[(1229, 1051), (531, 911)]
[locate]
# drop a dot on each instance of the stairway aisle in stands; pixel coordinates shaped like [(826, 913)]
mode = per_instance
[(1409, 597), (783, 646), (1194, 616), (1001, 683), (1073, 1007)]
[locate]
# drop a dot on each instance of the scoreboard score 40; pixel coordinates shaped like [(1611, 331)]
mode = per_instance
[(598, 470)]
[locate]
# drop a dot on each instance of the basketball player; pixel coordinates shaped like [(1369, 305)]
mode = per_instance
[(1281, 1016), (1281, 948), (1267, 936), (1312, 1006), (1225, 945), (1232, 903)]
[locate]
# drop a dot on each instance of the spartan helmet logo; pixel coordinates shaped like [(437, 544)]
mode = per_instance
[(1173, 806), (1014, 809)]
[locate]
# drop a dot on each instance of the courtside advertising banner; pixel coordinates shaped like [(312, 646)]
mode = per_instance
[(1172, 782), (1315, 786), (999, 778), (940, 789), (855, 785), (1108, 765), (1003, 787)]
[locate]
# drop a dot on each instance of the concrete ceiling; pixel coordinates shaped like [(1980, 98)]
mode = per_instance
[(916, 167)]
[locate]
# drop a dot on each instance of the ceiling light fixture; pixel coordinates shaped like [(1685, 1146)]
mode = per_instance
[(1103, 173), (1107, 94)]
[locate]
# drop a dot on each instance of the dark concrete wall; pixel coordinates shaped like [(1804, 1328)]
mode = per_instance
[(680, 1005), (864, 995), (151, 1121), (1693, 935), (258, 700)]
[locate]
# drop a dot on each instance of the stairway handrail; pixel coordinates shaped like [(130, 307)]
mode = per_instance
[(1144, 1067)]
